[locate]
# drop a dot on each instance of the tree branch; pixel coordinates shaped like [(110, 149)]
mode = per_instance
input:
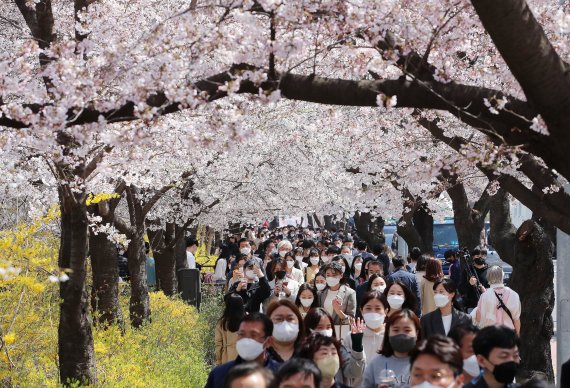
[(523, 44)]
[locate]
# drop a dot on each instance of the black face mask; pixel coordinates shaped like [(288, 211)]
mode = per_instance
[(505, 373), (479, 260), (280, 275)]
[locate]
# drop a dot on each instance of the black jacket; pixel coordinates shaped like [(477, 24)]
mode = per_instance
[(255, 294), (468, 291), (432, 323)]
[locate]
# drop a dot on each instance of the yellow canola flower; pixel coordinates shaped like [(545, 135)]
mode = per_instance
[(10, 338), (101, 197)]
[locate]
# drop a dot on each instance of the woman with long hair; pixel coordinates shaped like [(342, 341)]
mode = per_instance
[(306, 298), (434, 273), (400, 297), (226, 329), (401, 334)]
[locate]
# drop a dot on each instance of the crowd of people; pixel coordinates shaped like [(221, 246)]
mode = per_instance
[(311, 307)]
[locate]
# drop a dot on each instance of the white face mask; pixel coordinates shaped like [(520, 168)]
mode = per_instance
[(326, 332), (425, 384), (395, 301), (282, 253), (358, 266), (332, 281), (471, 366), (347, 256), (320, 286), (299, 258), (379, 288), (307, 302), (249, 349), (314, 260), (245, 251), (338, 245), (285, 331), (440, 300), (290, 264), (326, 259), (373, 320), (250, 274)]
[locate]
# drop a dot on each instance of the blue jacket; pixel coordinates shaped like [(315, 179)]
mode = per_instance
[(455, 272), (218, 374), (409, 279)]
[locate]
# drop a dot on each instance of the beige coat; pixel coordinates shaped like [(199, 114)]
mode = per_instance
[(225, 345)]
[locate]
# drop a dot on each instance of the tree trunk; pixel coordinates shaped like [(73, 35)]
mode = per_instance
[(105, 269), (469, 221), (180, 249), (529, 251), (75, 339), (423, 222), (369, 229), (310, 222), (139, 306), (164, 258)]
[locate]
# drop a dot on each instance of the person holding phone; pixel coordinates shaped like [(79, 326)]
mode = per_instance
[(281, 286), (253, 288)]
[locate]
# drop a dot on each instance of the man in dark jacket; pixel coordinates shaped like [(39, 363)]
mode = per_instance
[(409, 279), (254, 337), (471, 286), (254, 289)]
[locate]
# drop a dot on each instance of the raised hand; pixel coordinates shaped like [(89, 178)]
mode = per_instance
[(357, 326)]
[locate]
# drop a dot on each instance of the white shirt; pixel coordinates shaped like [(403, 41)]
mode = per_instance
[(190, 260), (446, 323), (220, 270), (292, 285), (327, 305), (297, 275)]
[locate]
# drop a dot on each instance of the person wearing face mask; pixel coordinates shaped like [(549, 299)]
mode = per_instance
[(253, 288), (306, 299), (329, 253), (299, 254), (288, 330), (497, 351), (433, 273), (337, 299), (376, 283), (469, 284), (353, 360), (282, 286), (320, 282), (314, 264), (400, 297), (293, 269), (371, 268), (346, 253), (346, 278), (325, 352), (463, 335), (445, 317), (356, 269), (400, 336), (436, 362), (253, 339), (245, 249), (400, 274), (374, 309)]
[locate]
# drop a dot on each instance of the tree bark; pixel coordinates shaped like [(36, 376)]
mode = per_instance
[(468, 221), (415, 225), (368, 229), (164, 258), (105, 269), (139, 307), (75, 339), (529, 251)]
